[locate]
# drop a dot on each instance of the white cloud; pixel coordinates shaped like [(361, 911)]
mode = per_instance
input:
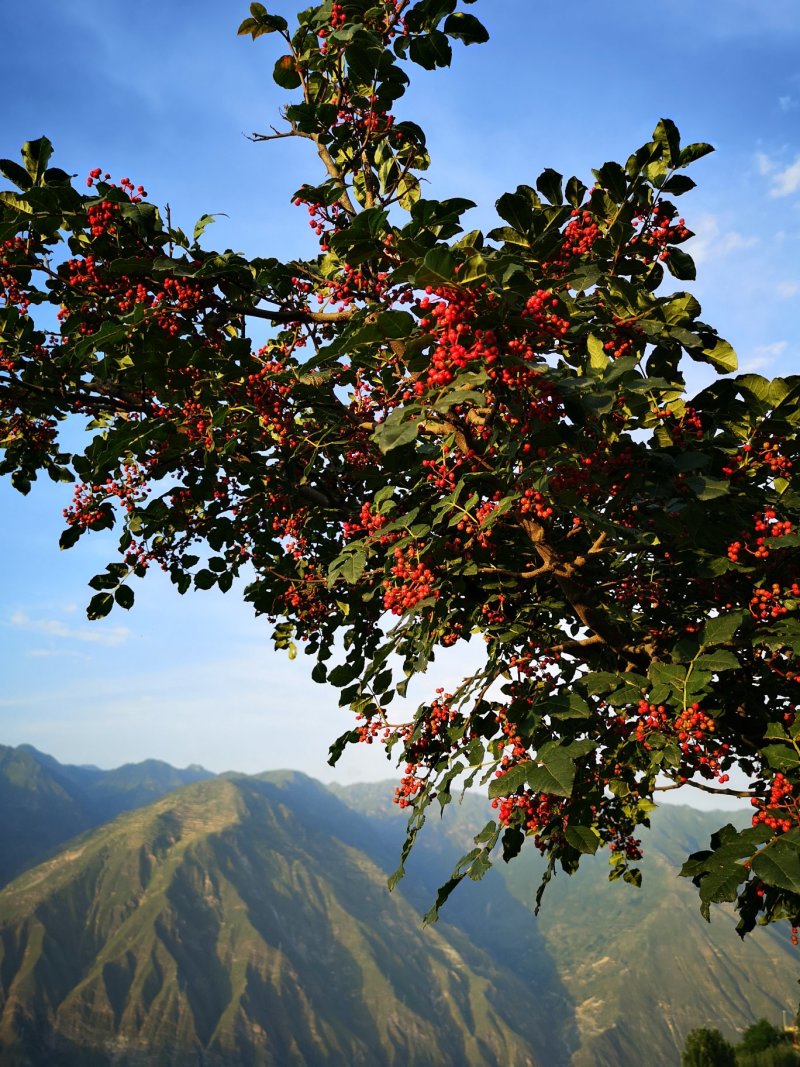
[(712, 240), (787, 103), (99, 634), (764, 164), (787, 289), (763, 356), (786, 181)]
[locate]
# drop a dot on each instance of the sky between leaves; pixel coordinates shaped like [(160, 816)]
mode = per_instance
[(164, 93)]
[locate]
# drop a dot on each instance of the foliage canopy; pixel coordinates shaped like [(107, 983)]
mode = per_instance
[(448, 437)]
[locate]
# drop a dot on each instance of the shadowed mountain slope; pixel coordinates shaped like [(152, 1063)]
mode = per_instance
[(44, 803), (641, 966), (221, 926)]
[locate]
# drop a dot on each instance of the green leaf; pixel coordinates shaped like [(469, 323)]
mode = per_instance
[(285, 73), (549, 185), (781, 757), (694, 151), (584, 838), (516, 209), (511, 781), (205, 579), (431, 51), (465, 28), (718, 661), (69, 537), (598, 357), (16, 174), (344, 674), (438, 266), (779, 865), (556, 777), (200, 226), (708, 488), (678, 184), (398, 430), (611, 177), (349, 565), (720, 630), (124, 597), (680, 264), (666, 134), (721, 356), (100, 605), (36, 155)]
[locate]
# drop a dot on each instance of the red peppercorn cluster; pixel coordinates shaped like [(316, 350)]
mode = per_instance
[(657, 231), (416, 582), (368, 522), (534, 503), (766, 525), (780, 811), (540, 308), (129, 489), (14, 253), (458, 342)]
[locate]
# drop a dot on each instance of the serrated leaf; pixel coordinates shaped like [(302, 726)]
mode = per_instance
[(721, 356), (781, 757), (349, 565), (720, 630), (511, 781), (396, 432), (680, 264), (124, 596), (16, 174), (201, 225), (100, 605), (598, 357), (694, 151), (465, 28), (584, 838), (718, 661), (285, 73), (779, 865)]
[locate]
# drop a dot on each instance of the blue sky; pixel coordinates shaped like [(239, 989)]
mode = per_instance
[(163, 92)]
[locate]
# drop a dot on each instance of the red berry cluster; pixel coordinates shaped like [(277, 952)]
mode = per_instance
[(14, 253), (416, 582), (780, 811), (540, 307), (458, 343), (658, 230), (85, 510)]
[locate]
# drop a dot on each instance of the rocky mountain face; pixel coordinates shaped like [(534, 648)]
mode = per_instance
[(246, 921), (221, 926), (44, 802)]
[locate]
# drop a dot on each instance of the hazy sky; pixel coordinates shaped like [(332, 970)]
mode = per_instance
[(163, 92)]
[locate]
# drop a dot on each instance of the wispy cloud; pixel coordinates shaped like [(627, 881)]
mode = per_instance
[(784, 179), (763, 356), (787, 289), (788, 103), (712, 239), (100, 635)]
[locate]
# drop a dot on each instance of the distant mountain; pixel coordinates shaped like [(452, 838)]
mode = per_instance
[(226, 924), (641, 967), (44, 803), (245, 922)]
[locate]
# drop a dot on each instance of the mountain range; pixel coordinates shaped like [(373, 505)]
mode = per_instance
[(232, 920)]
